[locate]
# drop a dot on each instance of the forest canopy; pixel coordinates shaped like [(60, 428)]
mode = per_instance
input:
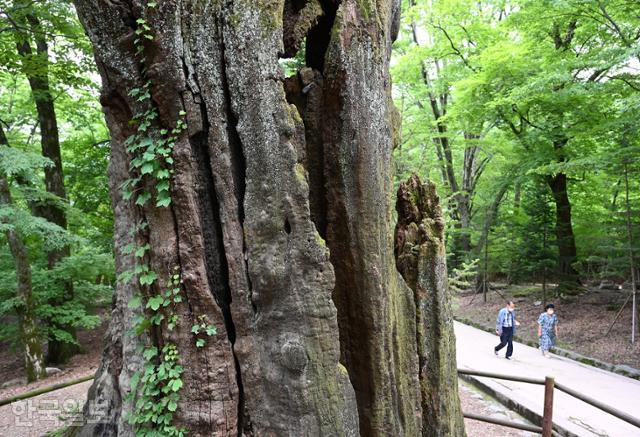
[(525, 114)]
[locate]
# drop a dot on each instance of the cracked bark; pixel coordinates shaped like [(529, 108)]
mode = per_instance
[(280, 220), (421, 259)]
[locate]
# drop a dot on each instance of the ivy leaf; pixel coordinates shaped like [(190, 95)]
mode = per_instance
[(129, 248), (163, 200), (147, 168), (150, 352), (211, 330), (134, 381), (172, 406), (200, 342), (162, 173), (157, 319), (125, 276), (163, 186), (142, 250), (140, 268), (195, 329), (148, 278), (145, 142), (175, 384), (154, 303), (142, 198)]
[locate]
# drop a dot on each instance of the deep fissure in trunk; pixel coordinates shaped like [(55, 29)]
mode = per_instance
[(217, 267), (280, 219)]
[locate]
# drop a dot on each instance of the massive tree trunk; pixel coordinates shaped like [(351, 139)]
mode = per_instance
[(36, 68), (279, 219)]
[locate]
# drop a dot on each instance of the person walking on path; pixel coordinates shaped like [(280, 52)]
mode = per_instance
[(547, 329), (506, 328)]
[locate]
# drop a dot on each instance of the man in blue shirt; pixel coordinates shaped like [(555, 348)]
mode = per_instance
[(506, 328)]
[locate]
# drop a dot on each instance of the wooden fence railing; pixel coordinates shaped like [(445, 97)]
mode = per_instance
[(546, 428)]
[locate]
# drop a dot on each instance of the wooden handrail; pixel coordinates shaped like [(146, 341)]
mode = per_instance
[(595, 403), (538, 381), (550, 385), (43, 390)]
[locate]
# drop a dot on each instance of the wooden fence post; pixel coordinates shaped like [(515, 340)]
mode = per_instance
[(547, 414)]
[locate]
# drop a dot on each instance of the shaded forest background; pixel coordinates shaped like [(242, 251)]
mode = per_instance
[(524, 114)]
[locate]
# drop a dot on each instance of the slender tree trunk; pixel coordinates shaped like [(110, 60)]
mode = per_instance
[(32, 349), (461, 194), (490, 217), (33, 357), (36, 69), (632, 263), (517, 195), (472, 168), (316, 328), (567, 252)]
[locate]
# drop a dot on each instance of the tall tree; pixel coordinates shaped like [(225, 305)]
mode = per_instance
[(439, 52), (269, 304), (25, 308), (33, 50), (550, 86)]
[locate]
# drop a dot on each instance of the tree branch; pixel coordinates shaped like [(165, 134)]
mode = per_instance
[(453, 47)]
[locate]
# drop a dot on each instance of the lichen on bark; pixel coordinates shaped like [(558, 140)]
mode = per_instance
[(421, 259)]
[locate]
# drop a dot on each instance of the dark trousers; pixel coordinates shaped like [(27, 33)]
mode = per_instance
[(506, 339)]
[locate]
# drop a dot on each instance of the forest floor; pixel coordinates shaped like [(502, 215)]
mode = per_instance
[(84, 364), (582, 320), (53, 411)]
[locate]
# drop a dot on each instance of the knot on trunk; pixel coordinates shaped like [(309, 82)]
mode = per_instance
[(294, 356)]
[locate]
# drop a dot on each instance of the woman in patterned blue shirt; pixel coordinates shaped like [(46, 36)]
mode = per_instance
[(547, 329)]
